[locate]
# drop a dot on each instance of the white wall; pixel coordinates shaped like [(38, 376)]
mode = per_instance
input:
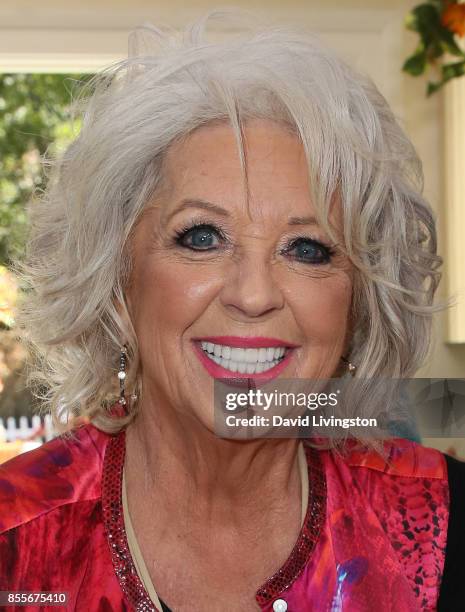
[(55, 36)]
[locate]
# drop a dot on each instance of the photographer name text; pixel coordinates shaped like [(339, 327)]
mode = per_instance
[(299, 421)]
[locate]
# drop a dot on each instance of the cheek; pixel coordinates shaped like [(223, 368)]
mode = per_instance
[(171, 296), (321, 306)]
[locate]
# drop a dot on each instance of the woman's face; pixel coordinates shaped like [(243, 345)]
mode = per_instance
[(230, 284)]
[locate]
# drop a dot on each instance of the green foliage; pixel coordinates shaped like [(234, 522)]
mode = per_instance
[(34, 120), (435, 41), (416, 63)]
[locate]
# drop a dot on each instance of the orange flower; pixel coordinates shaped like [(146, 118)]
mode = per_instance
[(453, 18)]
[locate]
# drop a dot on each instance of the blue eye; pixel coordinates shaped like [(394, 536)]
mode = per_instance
[(199, 237), (310, 251)]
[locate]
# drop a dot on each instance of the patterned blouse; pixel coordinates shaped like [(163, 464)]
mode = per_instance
[(373, 537)]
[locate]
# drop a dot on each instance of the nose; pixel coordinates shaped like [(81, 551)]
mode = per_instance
[(250, 289)]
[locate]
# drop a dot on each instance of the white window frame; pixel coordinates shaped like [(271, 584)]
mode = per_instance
[(454, 188)]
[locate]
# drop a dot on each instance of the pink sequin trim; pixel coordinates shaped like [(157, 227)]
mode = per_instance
[(113, 520), (309, 534)]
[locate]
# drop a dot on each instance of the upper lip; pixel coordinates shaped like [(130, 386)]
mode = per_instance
[(246, 341)]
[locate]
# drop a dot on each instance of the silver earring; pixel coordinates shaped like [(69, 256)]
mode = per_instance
[(350, 366), (122, 375), (120, 408)]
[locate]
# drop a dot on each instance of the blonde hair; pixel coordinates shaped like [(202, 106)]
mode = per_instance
[(78, 260)]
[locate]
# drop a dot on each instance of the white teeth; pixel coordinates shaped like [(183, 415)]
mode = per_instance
[(244, 361), (251, 355), (237, 354)]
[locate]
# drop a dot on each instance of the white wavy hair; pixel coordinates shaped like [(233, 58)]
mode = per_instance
[(78, 259)]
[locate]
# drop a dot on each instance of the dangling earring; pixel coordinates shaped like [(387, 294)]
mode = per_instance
[(350, 366), (122, 374), (120, 407)]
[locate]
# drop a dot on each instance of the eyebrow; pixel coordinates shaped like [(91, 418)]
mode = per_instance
[(205, 205), (302, 221), (202, 204)]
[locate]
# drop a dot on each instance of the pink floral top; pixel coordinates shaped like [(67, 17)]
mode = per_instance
[(374, 534)]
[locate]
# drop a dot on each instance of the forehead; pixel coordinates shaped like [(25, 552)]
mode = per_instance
[(206, 165)]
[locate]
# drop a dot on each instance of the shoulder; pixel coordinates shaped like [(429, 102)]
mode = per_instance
[(401, 501), (406, 489), (63, 471), (408, 479), (418, 493)]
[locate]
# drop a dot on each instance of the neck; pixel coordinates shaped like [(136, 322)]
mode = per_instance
[(174, 459)]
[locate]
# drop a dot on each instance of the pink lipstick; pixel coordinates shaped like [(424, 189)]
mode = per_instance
[(241, 358)]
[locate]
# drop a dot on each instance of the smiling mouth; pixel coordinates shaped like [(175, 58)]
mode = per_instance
[(244, 360)]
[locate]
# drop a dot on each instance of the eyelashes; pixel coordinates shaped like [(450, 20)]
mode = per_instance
[(308, 250), (202, 237)]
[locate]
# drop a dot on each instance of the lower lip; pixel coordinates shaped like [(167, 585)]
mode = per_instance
[(218, 371)]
